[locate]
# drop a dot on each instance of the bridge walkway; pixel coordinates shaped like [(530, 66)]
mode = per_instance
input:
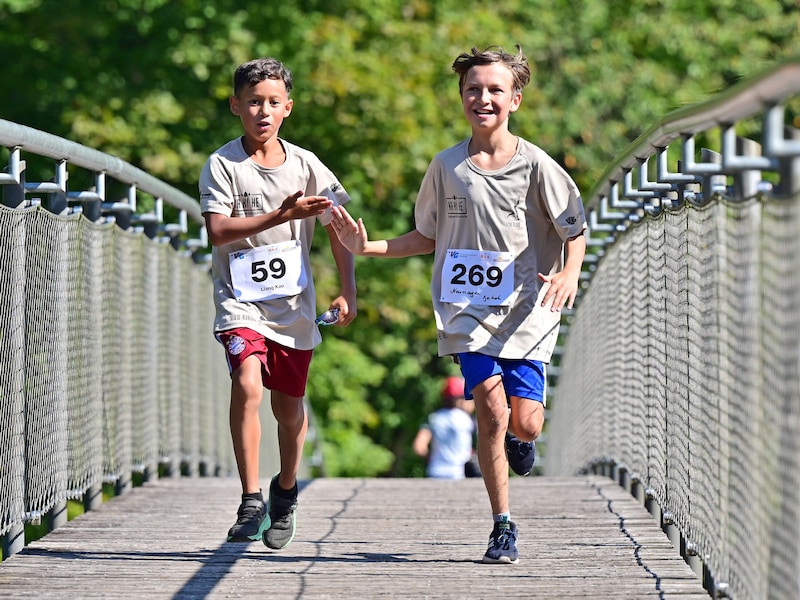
[(580, 537)]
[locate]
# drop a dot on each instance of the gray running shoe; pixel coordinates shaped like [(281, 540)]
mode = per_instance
[(251, 521), (282, 518)]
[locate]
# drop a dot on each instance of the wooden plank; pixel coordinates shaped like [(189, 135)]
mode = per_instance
[(582, 537)]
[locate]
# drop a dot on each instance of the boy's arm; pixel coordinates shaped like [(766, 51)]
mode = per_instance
[(224, 230), (353, 236), (564, 284), (345, 264)]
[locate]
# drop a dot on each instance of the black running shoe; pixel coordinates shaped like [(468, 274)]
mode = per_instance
[(502, 544), (521, 455), (251, 521), (282, 519)]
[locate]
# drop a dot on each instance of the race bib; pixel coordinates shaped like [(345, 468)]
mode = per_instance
[(478, 277), (268, 272)]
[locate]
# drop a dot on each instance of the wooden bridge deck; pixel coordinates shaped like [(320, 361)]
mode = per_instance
[(582, 537)]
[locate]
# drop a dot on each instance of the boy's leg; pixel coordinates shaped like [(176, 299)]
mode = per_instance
[(292, 421), (527, 418), (525, 382), (245, 425), (292, 427), (491, 410)]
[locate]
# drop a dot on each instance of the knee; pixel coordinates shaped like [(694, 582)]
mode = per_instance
[(290, 414), (246, 382), (493, 423), (246, 392), (527, 428)]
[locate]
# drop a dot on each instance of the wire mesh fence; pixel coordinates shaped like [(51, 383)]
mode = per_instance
[(107, 362), (681, 368)]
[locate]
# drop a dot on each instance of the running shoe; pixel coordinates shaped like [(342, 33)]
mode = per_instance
[(251, 521), (282, 518), (502, 544), (521, 455)]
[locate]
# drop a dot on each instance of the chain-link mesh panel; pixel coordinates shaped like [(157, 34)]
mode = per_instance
[(681, 364), (701, 522), (167, 350), (781, 391), (84, 359), (12, 369), (52, 288), (144, 361)]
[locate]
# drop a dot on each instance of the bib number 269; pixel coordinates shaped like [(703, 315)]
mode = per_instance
[(478, 277)]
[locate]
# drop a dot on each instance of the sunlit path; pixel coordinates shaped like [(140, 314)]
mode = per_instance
[(413, 538)]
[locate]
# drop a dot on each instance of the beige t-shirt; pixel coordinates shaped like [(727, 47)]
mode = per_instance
[(520, 214), (232, 184)]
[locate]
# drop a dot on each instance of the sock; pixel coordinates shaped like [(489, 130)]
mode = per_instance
[(282, 493), (502, 517), (253, 496)]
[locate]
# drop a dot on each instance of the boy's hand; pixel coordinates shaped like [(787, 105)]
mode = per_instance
[(562, 291), (298, 207), (351, 234), (347, 310)]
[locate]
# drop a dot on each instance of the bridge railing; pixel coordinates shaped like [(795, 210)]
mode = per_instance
[(680, 372), (107, 363)]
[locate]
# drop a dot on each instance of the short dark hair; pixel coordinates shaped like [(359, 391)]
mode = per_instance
[(258, 70), (517, 64)]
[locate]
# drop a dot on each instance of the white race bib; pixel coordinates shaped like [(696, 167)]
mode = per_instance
[(267, 272), (478, 277)]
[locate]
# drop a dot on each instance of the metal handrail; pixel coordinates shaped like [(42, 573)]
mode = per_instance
[(13, 135), (742, 100)]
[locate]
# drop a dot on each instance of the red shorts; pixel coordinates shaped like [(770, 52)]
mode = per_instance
[(282, 369)]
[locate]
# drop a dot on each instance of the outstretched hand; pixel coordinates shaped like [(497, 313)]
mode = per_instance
[(351, 234), (298, 206)]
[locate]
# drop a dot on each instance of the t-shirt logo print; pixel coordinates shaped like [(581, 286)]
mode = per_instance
[(247, 203), (513, 217), (456, 206)]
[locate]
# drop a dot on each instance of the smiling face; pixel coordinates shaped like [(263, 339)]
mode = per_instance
[(262, 109), (488, 96)]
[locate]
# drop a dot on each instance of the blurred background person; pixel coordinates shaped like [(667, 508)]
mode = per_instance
[(445, 440)]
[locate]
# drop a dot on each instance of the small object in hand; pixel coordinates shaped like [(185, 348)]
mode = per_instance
[(329, 317)]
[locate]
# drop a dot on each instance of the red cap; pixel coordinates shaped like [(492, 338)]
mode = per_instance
[(453, 388)]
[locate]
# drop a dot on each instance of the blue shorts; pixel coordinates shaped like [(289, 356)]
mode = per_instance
[(523, 378)]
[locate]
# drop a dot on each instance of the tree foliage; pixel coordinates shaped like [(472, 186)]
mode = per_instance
[(148, 80)]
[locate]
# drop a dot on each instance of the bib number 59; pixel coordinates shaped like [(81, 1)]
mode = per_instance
[(261, 270)]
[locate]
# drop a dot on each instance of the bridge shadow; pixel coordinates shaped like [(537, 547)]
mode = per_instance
[(216, 563)]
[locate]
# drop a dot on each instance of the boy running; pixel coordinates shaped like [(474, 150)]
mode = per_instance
[(261, 197), (499, 213)]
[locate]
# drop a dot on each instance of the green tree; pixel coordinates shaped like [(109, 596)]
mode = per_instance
[(148, 80)]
